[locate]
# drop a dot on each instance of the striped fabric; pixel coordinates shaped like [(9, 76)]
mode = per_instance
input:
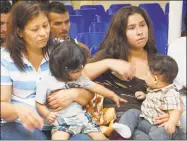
[(167, 97), (23, 83)]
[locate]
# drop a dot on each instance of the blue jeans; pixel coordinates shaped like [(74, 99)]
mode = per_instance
[(15, 131), (132, 119)]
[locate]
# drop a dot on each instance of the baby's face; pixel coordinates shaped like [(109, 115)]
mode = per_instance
[(151, 80)]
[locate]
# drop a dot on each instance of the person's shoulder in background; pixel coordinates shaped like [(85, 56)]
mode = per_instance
[(177, 45)]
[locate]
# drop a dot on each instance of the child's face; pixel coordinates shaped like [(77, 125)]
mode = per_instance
[(75, 74), (151, 80)]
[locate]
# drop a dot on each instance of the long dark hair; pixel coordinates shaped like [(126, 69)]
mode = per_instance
[(66, 57), (5, 6), (21, 13), (115, 44)]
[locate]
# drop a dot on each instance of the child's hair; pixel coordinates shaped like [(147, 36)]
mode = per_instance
[(164, 66), (64, 58)]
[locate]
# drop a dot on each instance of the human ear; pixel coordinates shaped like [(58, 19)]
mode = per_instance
[(20, 33), (155, 79)]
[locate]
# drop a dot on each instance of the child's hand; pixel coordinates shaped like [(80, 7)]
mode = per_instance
[(140, 95), (170, 127), (118, 99), (51, 117)]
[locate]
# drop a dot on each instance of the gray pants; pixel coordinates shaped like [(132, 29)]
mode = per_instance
[(138, 125)]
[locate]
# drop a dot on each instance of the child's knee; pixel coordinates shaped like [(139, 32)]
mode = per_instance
[(97, 136), (60, 135)]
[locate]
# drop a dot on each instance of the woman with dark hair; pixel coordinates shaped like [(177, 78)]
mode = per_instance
[(66, 63), (22, 63), (130, 40)]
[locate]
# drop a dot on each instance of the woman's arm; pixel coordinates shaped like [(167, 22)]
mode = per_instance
[(121, 67), (62, 98), (42, 109), (181, 106), (174, 116), (170, 125), (94, 70), (10, 112), (162, 119)]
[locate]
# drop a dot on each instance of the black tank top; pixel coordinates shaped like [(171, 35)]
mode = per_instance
[(125, 89)]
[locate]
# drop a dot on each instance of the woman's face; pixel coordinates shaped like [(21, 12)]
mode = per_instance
[(36, 32), (137, 31)]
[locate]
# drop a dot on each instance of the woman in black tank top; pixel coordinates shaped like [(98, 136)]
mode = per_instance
[(129, 38)]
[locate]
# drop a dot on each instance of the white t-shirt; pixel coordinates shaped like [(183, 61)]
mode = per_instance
[(177, 50), (48, 83)]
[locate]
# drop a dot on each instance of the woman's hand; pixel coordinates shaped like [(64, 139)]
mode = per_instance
[(28, 117), (162, 119), (121, 69), (60, 99), (118, 99), (170, 127)]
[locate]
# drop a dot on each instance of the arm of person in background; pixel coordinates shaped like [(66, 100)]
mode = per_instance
[(27, 116), (101, 90)]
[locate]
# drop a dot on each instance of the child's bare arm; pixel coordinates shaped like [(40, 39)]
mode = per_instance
[(45, 113), (101, 90), (140, 95), (42, 109)]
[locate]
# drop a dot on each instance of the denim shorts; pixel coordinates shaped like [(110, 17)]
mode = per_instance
[(75, 125)]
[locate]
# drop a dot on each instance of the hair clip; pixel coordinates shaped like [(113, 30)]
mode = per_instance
[(76, 70)]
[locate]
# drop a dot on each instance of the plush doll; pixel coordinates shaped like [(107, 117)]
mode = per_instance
[(103, 116)]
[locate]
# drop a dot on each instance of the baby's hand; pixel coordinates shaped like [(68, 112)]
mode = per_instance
[(118, 99), (51, 117), (140, 95), (170, 128)]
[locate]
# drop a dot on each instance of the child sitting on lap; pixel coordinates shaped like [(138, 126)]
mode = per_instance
[(161, 93), (66, 63)]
